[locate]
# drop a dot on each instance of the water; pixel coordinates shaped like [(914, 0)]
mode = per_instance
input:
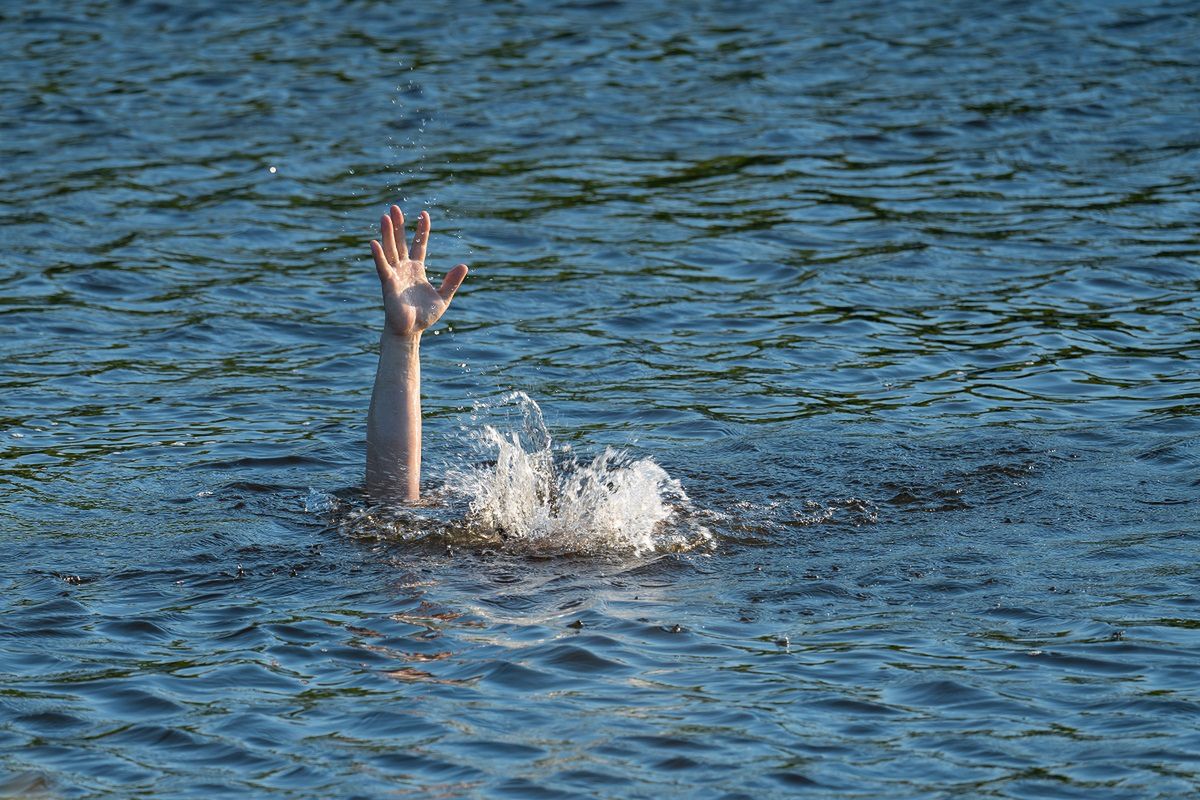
[(901, 295)]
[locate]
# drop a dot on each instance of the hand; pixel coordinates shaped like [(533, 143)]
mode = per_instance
[(410, 302)]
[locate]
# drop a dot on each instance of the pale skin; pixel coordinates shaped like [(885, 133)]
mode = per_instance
[(411, 304)]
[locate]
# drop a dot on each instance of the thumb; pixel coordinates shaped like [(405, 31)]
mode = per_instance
[(452, 281)]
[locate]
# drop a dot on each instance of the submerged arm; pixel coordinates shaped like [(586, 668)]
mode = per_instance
[(411, 304)]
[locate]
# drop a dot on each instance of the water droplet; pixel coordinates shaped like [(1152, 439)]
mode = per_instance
[(272, 170)]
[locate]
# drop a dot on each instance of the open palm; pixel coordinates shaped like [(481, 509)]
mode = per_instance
[(411, 303)]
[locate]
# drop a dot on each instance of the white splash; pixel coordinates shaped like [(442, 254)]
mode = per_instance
[(532, 500)]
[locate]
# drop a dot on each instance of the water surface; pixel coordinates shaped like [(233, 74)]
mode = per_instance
[(903, 295)]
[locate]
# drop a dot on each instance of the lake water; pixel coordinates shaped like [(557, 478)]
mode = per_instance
[(891, 305)]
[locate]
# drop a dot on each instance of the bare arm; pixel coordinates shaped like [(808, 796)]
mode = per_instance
[(411, 304)]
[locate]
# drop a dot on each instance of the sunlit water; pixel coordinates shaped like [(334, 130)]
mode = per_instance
[(865, 337)]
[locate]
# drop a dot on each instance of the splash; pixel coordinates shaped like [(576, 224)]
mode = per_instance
[(531, 496)]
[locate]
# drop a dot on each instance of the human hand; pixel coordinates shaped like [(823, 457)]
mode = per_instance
[(410, 302)]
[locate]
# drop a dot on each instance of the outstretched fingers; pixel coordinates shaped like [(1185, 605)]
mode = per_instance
[(422, 238), (393, 250), (452, 281)]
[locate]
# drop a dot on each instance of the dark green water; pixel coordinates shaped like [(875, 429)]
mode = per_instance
[(903, 294)]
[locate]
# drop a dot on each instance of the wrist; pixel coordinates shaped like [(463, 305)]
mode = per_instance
[(412, 340)]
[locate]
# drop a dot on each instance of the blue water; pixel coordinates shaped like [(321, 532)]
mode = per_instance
[(903, 295)]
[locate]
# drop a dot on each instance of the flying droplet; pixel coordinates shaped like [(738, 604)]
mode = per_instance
[(271, 170)]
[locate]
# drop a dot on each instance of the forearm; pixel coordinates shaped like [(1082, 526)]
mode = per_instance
[(411, 304), (394, 421)]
